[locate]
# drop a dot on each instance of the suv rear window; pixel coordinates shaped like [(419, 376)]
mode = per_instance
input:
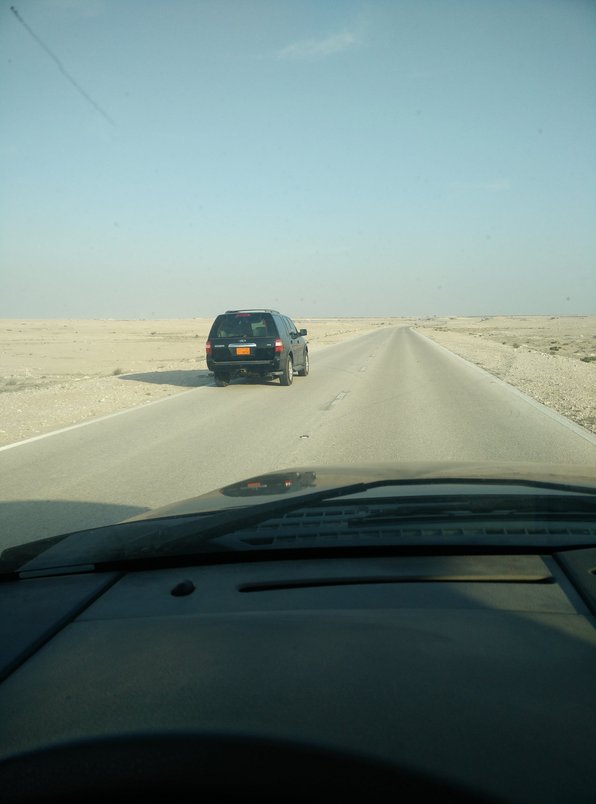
[(251, 325)]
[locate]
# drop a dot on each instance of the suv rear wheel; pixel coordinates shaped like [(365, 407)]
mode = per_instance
[(305, 368), (221, 380), (288, 373)]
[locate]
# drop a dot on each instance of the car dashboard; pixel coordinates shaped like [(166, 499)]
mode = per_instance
[(460, 675)]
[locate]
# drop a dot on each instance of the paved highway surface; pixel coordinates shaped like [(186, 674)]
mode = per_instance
[(391, 395)]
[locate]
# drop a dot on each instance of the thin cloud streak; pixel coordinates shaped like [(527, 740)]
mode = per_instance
[(309, 49), (62, 68)]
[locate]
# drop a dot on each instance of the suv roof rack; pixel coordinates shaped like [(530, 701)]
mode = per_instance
[(258, 310)]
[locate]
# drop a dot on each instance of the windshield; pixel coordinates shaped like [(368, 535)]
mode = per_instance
[(244, 245), (239, 324)]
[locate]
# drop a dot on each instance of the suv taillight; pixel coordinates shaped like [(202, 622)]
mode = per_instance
[(279, 346), (208, 348)]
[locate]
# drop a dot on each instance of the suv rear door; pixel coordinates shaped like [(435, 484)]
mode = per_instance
[(243, 338)]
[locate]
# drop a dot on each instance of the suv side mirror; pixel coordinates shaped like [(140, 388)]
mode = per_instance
[(303, 332)]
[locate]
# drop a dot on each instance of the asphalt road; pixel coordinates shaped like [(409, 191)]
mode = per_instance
[(391, 395)]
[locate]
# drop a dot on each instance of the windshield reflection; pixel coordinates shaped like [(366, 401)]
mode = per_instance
[(276, 483)]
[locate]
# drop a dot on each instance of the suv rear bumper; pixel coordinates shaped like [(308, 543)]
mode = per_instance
[(245, 366)]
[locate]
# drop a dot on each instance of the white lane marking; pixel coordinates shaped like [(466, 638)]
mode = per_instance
[(93, 421)]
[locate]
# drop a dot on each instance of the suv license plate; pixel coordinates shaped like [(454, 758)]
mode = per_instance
[(243, 350)]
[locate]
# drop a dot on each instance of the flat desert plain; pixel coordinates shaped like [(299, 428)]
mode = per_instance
[(54, 374)]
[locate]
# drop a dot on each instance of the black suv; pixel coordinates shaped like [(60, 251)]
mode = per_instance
[(260, 343)]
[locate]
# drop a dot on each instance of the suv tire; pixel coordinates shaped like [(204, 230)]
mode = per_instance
[(221, 380), (305, 368), (288, 374)]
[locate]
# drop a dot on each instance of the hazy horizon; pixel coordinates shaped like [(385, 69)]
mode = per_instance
[(306, 316)]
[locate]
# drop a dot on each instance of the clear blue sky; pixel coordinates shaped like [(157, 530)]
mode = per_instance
[(172, 158)]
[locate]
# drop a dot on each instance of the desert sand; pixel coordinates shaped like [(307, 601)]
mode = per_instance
[(54, 374)]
